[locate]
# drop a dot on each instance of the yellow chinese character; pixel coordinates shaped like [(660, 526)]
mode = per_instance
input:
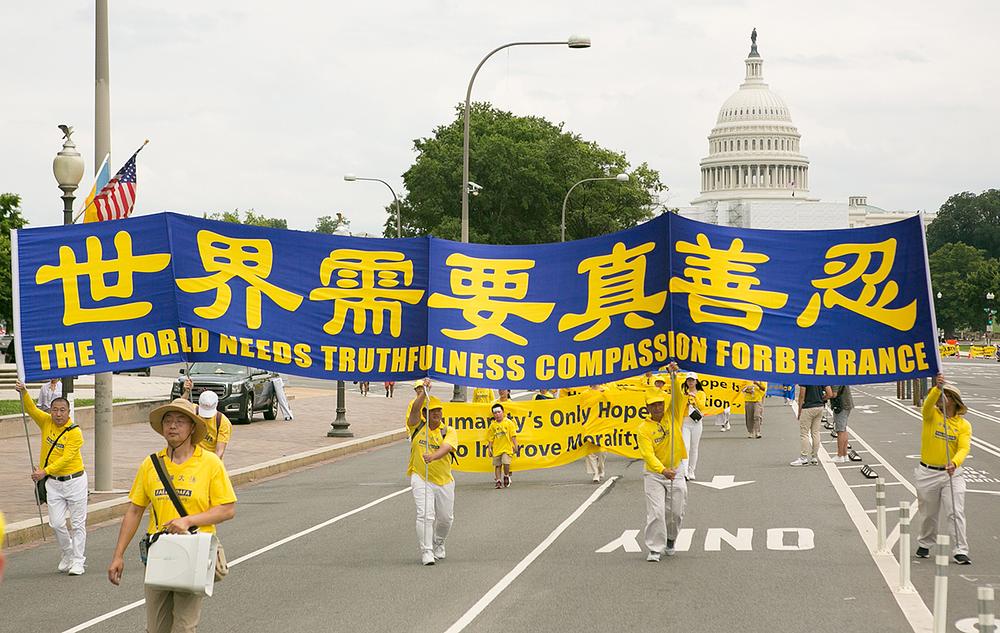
[(867, 304), (96, 267), (721, 288), (481, 284), (247, 259), (367, 281), (615, 285)]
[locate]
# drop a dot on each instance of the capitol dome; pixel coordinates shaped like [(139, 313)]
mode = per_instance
[(754, 146)]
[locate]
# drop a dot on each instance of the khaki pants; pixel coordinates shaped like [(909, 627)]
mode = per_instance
[(595, 464), (809, 424), (934, 499), (754, 412), (664, 512), (172, 611)]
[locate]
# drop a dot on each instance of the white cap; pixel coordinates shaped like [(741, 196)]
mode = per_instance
[(208, 403), (691, 374)]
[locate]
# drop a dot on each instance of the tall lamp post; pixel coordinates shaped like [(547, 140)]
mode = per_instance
[(574, 41), (562, 226), (67, 167), (399, 223), (990, 313)]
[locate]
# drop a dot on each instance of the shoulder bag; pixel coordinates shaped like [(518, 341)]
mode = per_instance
[(41, 496)]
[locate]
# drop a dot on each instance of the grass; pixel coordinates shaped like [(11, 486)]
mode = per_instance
[(10, 407)]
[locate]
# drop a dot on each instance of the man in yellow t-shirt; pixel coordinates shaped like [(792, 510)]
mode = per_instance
[(501, 437), (753, 403), (61, 465), (432, 446), (219, 428), (944, 445), (206, 494), (661, 445)]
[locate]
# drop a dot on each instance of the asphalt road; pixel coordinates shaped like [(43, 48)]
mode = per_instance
[(783, 552)]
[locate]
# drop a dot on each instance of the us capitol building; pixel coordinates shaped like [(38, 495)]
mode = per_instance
[(755, 174)]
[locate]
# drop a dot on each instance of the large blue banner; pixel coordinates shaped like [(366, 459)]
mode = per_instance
[(785, 306)]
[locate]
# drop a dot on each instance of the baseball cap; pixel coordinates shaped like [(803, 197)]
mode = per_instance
[(691, 374), (654, 396), (208, 403)]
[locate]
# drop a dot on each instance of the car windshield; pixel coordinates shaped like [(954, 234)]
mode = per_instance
[(218, 368)]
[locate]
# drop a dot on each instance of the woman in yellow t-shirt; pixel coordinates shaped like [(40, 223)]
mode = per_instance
[(207, 495), (693, 415)]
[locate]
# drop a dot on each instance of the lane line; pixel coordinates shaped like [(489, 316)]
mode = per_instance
[(512, 575), (253, 554)]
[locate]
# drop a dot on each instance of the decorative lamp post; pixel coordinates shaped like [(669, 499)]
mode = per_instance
[(562, 225), (67, 167), (399, 223)]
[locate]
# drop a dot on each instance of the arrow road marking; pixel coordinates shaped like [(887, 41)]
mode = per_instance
[(627, 541), (721, 482)]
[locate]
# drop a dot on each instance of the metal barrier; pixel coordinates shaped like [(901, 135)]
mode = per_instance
[(940, 624), (880, 547), (905, 586)]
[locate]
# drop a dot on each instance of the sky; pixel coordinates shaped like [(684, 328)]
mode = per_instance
[(266, 105)]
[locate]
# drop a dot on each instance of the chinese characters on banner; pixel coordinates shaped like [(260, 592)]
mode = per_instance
[(783, 306)]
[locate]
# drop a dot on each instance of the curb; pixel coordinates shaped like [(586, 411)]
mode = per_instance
[(30, 530)]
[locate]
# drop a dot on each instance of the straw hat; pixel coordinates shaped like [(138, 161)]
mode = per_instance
[(953, 394), (183, 406)]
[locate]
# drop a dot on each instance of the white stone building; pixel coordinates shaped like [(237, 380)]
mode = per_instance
[(755, 174)]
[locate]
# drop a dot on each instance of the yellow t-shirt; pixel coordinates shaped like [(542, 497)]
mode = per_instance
[(932, 438), (482, 395), (201, 483), (502, 435), (216, 433), (655, 437), (758, 393), (66, 458), (695, 400), (439, 470)]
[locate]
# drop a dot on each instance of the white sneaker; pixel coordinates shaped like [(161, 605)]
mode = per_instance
[(76, 570), (653, 557), (801, 461), (64, 565), (691, 476), (840, 459), (427, 558), (814, 460), (438, 551)]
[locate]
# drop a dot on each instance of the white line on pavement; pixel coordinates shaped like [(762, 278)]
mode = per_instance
[(504, 582), (233, 563)]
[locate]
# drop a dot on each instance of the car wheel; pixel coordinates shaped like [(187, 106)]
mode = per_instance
[(246, 415), (271, 412)]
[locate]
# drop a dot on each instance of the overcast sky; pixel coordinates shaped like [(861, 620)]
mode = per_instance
[(266, 105)]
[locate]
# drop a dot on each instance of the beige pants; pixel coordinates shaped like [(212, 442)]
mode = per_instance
[(595, 464), (664, 512), (172, 611), (754, 412), (809, 424), (934, 499)]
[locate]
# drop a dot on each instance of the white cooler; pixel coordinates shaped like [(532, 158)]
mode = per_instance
[(183, 562)]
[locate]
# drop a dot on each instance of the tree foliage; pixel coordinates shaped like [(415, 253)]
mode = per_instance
[(249, 217), (963, 275), (330, 225), (525, 165), (968, 218), (10, 218)]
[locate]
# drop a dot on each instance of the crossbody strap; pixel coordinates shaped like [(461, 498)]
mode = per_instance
[(169, 487), (53, 447), (417, 429)]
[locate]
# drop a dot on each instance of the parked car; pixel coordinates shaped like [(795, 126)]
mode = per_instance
[(143, 371), (242, 390)]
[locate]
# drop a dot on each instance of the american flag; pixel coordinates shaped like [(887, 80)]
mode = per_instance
[(116, 199)]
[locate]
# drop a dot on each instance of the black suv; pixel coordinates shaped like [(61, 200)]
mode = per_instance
[(242, 390)]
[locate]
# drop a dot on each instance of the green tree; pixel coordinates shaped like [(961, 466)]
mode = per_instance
[(525, 165), (330, 225), (968, 218), (10, 218), (250, 217), (963, 275)]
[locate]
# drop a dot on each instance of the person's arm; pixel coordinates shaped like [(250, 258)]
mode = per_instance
[(700, 401), (223, 435), (220, 448), (418, 403), (213, 516), (72, 443), (827, 392), (964, 441), (439, 453), (130, 523), (513, 436), (186, 392), (649, 455), (38, 416), (801, 400), (930, 400)]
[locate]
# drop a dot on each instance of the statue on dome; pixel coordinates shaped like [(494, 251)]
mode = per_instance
[(753, 36)]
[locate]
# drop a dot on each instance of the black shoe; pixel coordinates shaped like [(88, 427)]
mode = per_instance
[(923, 552), (962, 559)]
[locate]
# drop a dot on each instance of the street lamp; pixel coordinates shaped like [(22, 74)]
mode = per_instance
[(574, 41), (399, 224), (619, 178), (67, 167)]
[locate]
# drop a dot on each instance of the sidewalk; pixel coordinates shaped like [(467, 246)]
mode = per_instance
[(256, 443)]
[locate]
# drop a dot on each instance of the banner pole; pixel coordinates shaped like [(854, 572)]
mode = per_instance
[(31, 459)]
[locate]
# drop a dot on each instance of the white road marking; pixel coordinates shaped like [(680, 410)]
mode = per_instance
[(512, 575), (253, 554)]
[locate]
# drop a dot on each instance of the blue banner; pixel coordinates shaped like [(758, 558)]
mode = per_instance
[(784, 306)]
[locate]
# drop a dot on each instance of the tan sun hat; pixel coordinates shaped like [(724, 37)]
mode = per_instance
[(182, 406), (953, 394)]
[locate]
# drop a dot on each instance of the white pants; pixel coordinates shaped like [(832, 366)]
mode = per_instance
[(595, 464), (691, 432), (279, 392), (934, 499), (435, 511), (664, 512), (69, 498)]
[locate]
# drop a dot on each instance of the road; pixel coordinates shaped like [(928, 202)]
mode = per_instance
[(788, 549)]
